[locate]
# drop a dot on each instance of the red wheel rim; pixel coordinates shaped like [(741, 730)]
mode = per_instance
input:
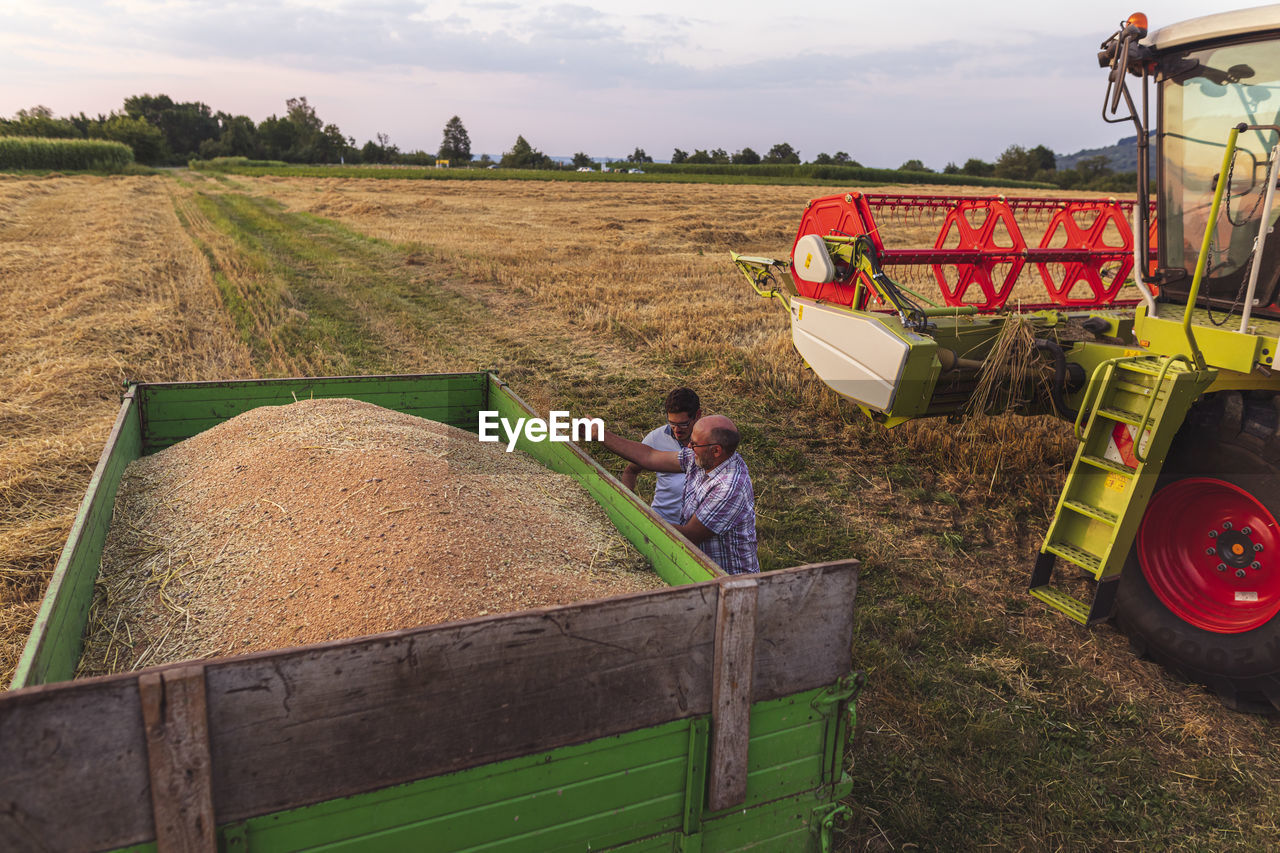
[(1211, 553)]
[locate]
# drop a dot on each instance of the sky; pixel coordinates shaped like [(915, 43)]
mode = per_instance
[(935, 80)]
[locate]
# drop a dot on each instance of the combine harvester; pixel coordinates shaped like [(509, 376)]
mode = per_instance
[(1167, 519)]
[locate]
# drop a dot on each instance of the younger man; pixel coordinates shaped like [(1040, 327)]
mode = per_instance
[(683, 410)]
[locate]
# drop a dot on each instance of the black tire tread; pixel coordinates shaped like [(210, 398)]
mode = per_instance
[(1242, 669)]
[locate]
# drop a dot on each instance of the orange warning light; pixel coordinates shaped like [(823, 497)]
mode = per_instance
[(1139, 20)]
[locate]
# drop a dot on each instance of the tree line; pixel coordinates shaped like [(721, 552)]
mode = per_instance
[(161, 131)]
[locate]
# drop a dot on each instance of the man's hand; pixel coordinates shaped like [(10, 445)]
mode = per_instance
[(629, 475), (646, 457)]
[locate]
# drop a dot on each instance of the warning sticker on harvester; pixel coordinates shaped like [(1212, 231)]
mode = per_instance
[(1246, 596), (1120, 446), (1115, 482)]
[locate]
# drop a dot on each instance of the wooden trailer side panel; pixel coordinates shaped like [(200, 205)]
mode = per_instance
[(293, 728), (636, 791)]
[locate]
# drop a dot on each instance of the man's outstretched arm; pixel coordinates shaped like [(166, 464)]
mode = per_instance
[(642, 454), (629, 475)]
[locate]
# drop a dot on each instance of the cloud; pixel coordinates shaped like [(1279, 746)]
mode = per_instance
[(920, 79)]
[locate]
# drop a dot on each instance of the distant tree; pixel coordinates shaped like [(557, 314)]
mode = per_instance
[(1017, 163), (699, 156), (951, 168), (1043, 159), (301, 136), (582, 161), (914, 166), (39, 121), (82, 122), (638, 156), (146, 141), (456, 145), (277, 138), (381, 151), (524, 156), (185, 125), (782, 153), (239, 138), (981, 168), (1091, 173), (415, 158), (485, 160), (719, 155), (746, 157), (333, 147), (303, 115), (840, 158), (1092, 168), (678, 156)]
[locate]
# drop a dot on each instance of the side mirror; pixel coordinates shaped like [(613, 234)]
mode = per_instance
[(1118, 70)]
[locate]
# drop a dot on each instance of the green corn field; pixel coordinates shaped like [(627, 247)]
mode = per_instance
[(25, 152)]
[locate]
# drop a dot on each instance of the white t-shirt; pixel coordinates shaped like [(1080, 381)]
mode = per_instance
[(669, 493)]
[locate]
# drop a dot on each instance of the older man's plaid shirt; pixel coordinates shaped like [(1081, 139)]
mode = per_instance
[(725, 503)]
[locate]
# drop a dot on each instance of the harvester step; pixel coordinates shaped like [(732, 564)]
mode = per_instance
[(1107, 465), (1132, 388), (1077, 555), (1151, 367), (1092, 512), (1122, 415), (1059, 600)]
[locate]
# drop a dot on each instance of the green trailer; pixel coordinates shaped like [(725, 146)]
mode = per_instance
[(711, 715)]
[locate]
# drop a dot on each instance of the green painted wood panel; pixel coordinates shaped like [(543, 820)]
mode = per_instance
[(447, 404), (164, 433), (54, 645), (173, 412), (323, 386), (625, 792)]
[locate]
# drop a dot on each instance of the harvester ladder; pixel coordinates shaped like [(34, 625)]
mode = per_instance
[(1132, 408)]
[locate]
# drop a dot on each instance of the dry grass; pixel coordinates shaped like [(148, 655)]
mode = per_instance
[(971, 682), (100, 285), (648, 264), (985, 718)]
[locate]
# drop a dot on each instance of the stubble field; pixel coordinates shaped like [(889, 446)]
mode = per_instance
[(986, 722)]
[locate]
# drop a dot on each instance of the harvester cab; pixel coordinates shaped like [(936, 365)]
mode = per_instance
[(1150, 325)]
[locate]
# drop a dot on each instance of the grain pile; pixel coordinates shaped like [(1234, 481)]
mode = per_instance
[(336, 518)]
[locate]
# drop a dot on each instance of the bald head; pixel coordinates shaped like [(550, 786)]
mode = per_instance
[(717, 429)]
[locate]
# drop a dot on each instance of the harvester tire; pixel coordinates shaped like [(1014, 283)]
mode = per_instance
[(1211, 617)]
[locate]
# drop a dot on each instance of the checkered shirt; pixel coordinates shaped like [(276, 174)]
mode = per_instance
[(725, 503)]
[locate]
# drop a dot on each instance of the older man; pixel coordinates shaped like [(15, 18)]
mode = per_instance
[(718, 510)]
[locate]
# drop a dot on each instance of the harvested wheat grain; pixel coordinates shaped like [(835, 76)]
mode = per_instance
[(335, 518)]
